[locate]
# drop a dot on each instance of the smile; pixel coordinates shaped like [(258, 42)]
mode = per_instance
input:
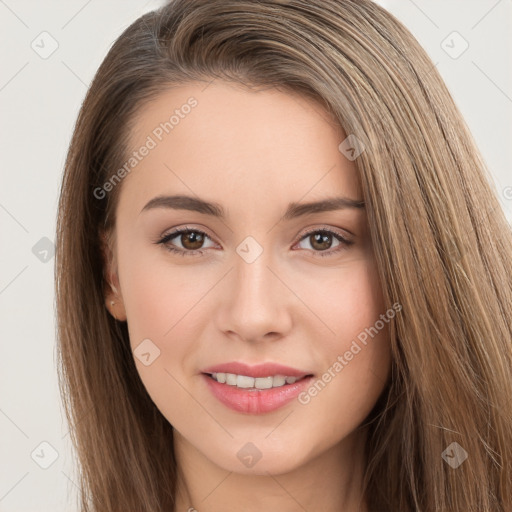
[(246, 382), (243, 394)]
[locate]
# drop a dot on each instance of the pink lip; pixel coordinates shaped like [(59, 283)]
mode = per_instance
[(258, 370), (256, 401)]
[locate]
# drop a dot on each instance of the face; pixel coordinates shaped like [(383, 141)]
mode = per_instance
[(265, 282)]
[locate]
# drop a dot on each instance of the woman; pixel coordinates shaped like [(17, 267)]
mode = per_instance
[(283, 277)]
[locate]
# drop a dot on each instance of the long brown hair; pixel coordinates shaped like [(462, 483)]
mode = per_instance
[(442, 244)]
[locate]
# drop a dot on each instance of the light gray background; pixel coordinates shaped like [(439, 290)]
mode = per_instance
[(39, 101)]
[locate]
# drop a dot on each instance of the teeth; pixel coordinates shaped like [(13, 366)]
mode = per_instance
[(279, 380), (241, 381), (245, 382)]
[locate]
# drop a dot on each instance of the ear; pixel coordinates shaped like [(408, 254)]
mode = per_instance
[(112, 290)]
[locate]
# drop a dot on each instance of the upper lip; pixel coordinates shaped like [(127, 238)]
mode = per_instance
[(258, 370)]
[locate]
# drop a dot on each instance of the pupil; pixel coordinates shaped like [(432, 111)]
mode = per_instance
[(194, 238), (322, 239)]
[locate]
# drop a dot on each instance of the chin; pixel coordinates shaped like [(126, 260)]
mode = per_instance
[(263, 461)]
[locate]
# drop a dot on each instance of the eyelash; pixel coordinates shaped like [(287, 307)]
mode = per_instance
[(344, 243)]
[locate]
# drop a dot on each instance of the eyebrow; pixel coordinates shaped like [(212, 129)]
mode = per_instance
[(294, 210)]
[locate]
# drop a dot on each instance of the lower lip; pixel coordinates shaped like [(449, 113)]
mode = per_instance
[(256, 401)]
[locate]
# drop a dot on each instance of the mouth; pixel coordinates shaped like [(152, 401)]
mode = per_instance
[(255, 388), (255, 395), (248, 383)]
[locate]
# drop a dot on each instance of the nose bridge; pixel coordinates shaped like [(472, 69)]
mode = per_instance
[(257, 303), (253, 280), (252, 267)]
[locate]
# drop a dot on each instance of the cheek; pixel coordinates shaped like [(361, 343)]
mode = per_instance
[(355, 350), (160, 301), (165, 303), (347, 303), (158, 296)]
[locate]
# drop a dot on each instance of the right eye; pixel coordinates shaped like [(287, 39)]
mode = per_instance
[(186, 236)]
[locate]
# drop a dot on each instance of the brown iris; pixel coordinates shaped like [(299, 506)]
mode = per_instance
[(192, 240), (321, 241)]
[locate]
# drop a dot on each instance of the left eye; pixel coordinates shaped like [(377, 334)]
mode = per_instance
[(321, 239), (192, 240)]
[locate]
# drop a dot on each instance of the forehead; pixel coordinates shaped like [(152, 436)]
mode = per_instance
[(223, 139)]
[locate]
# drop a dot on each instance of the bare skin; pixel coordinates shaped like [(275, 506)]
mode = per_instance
[(253, 153)]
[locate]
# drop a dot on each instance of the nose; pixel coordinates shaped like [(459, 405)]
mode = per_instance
[(255, 304)]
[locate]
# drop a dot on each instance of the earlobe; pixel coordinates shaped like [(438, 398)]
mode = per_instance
[(116, 308), (113, 298), (114, 301)]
